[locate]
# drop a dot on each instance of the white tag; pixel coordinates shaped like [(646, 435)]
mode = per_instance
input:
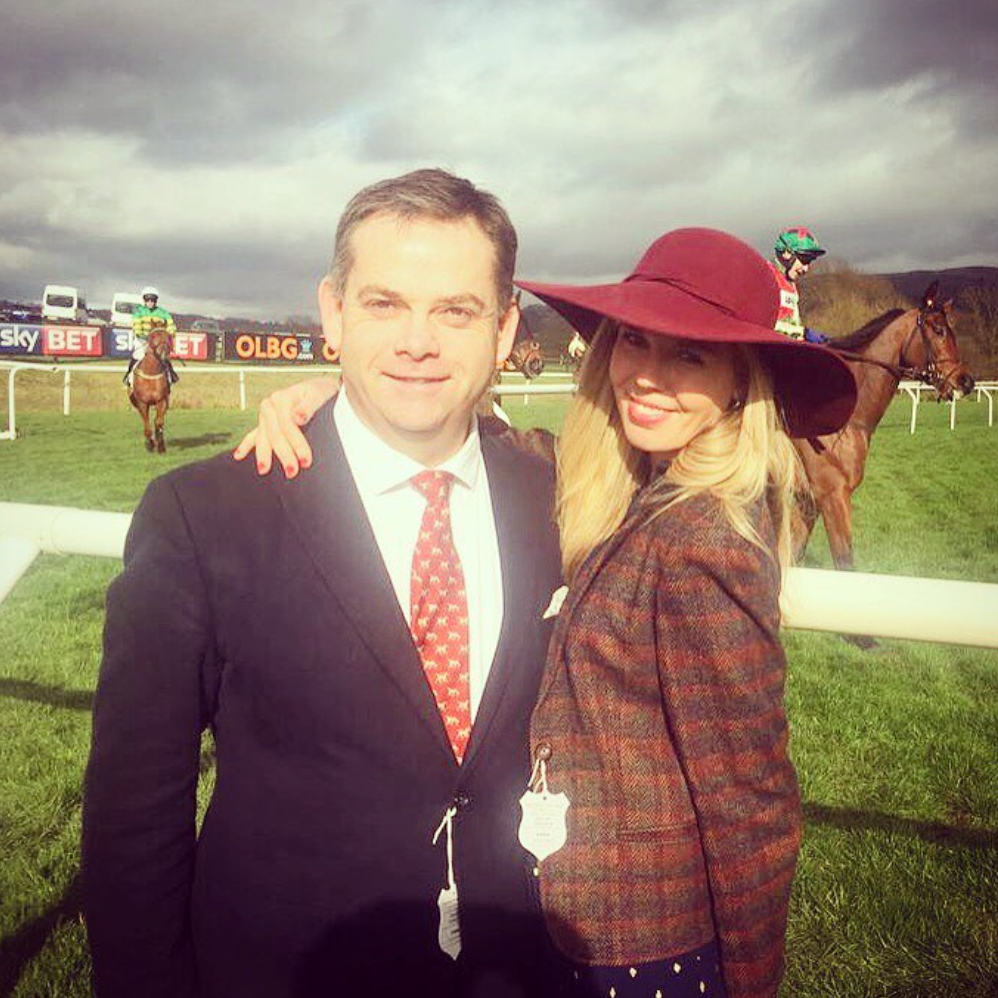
[(449, 934), (543, 828), (557, 598)]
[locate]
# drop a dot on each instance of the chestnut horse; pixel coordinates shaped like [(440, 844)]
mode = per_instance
[(527, 358), (151, 387), (918, 345)]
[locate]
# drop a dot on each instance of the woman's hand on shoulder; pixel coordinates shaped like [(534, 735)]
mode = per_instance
[(278, 429)]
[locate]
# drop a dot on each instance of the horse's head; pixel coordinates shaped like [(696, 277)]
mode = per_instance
[(944, 368), (527, 358), (159, 340)]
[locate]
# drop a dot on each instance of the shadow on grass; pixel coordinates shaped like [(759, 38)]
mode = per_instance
[(19, 949), (850, 819), (23, 689), (190, 443)]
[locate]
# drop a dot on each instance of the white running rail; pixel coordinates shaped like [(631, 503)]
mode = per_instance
[(886, 606)]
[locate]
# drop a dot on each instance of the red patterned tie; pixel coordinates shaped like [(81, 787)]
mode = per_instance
[(439, 609)]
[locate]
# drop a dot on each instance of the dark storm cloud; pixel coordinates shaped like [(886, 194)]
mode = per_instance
[(947, 48), (262, 279), (214, 146), (194, 80)]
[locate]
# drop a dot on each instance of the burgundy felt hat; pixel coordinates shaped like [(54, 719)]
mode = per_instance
[(702, 284)]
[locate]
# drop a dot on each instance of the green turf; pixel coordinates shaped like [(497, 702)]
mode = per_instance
[(897, 750)]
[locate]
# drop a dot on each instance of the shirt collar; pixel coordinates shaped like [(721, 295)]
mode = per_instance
[(378, 468)]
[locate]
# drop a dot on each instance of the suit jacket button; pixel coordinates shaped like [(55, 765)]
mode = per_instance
[(462, 801), (543, 751)]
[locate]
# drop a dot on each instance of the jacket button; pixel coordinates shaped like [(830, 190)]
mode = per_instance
[(462, 801), (543, 751)]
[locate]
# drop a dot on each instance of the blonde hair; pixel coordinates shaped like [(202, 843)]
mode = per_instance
[(746, 457)]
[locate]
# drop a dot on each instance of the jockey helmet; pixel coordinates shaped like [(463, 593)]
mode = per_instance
[(800, 242), (149, 292)]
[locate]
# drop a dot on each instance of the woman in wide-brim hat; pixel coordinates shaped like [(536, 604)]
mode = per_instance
[(661, 714)]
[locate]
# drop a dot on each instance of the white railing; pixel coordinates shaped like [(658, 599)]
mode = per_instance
[(887, 606), (555, 383), (13, 368), (914, 390), (66, 370)]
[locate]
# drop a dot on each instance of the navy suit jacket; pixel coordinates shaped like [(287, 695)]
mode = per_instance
[(261, 610)]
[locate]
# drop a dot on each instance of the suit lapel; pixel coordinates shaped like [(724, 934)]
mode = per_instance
[(328, 515), (516, 529)]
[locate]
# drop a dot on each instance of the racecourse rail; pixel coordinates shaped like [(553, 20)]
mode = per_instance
[(886, 606), (556, 383)]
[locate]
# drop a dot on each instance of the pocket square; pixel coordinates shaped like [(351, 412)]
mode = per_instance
[(557, 598)]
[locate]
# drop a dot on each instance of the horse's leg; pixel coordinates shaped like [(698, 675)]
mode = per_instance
[(836, 511), (161, 407), (143, 408), (802, 521)]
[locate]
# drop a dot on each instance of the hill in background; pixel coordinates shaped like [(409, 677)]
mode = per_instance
[(952, 283), (837, 299)]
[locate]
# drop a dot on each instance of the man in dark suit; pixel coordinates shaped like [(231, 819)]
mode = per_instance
[(277, 615)]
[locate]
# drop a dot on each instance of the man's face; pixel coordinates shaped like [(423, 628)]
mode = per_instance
[(149, 301), (419, 330)]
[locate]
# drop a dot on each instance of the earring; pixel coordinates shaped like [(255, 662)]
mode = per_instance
[(736, 404)]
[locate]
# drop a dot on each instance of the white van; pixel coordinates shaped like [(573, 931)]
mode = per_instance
[(64, 304), (123, 305)]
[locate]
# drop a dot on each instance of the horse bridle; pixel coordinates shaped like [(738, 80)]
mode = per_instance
[(927, 375), (160, 355)]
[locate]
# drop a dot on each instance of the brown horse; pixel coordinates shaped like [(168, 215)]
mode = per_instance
[(151, 387), (917, 344), (527, 358)]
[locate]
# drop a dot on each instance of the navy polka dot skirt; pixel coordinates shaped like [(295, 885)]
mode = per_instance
[(696, 974)]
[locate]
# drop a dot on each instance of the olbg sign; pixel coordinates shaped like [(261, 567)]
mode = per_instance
[(275, 348)]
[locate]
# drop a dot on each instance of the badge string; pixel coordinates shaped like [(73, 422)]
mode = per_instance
[(447, 822), (538, 782)]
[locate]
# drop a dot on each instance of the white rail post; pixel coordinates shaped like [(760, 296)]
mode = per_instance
[(952, 413), (915, 396), (242, 390), (66, 378), (11, 431), (986, 392)]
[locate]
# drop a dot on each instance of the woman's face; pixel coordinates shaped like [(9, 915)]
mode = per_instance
[(669, 391)]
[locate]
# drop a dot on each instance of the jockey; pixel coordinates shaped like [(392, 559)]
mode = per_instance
[(145, 317), (795, 250)]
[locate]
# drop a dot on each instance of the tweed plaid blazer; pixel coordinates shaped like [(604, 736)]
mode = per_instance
[(661, 717)]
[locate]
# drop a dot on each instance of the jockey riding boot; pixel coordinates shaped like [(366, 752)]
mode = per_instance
[(170, 372), (131, 363)]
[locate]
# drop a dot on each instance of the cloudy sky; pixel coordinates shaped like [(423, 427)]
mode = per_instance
[(209, 148)]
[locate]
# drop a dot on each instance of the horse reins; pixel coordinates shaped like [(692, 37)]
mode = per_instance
[(927, 375)]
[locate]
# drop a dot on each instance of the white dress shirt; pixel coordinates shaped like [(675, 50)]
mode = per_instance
[(394, 508)]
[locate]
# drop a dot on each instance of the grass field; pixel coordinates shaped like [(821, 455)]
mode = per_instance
[(897, 750)]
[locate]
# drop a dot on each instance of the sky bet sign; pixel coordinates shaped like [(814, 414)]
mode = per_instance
[(51, 341), (21, 339), (186, 346)]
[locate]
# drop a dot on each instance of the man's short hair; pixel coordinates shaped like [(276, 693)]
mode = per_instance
[(434, 194)]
